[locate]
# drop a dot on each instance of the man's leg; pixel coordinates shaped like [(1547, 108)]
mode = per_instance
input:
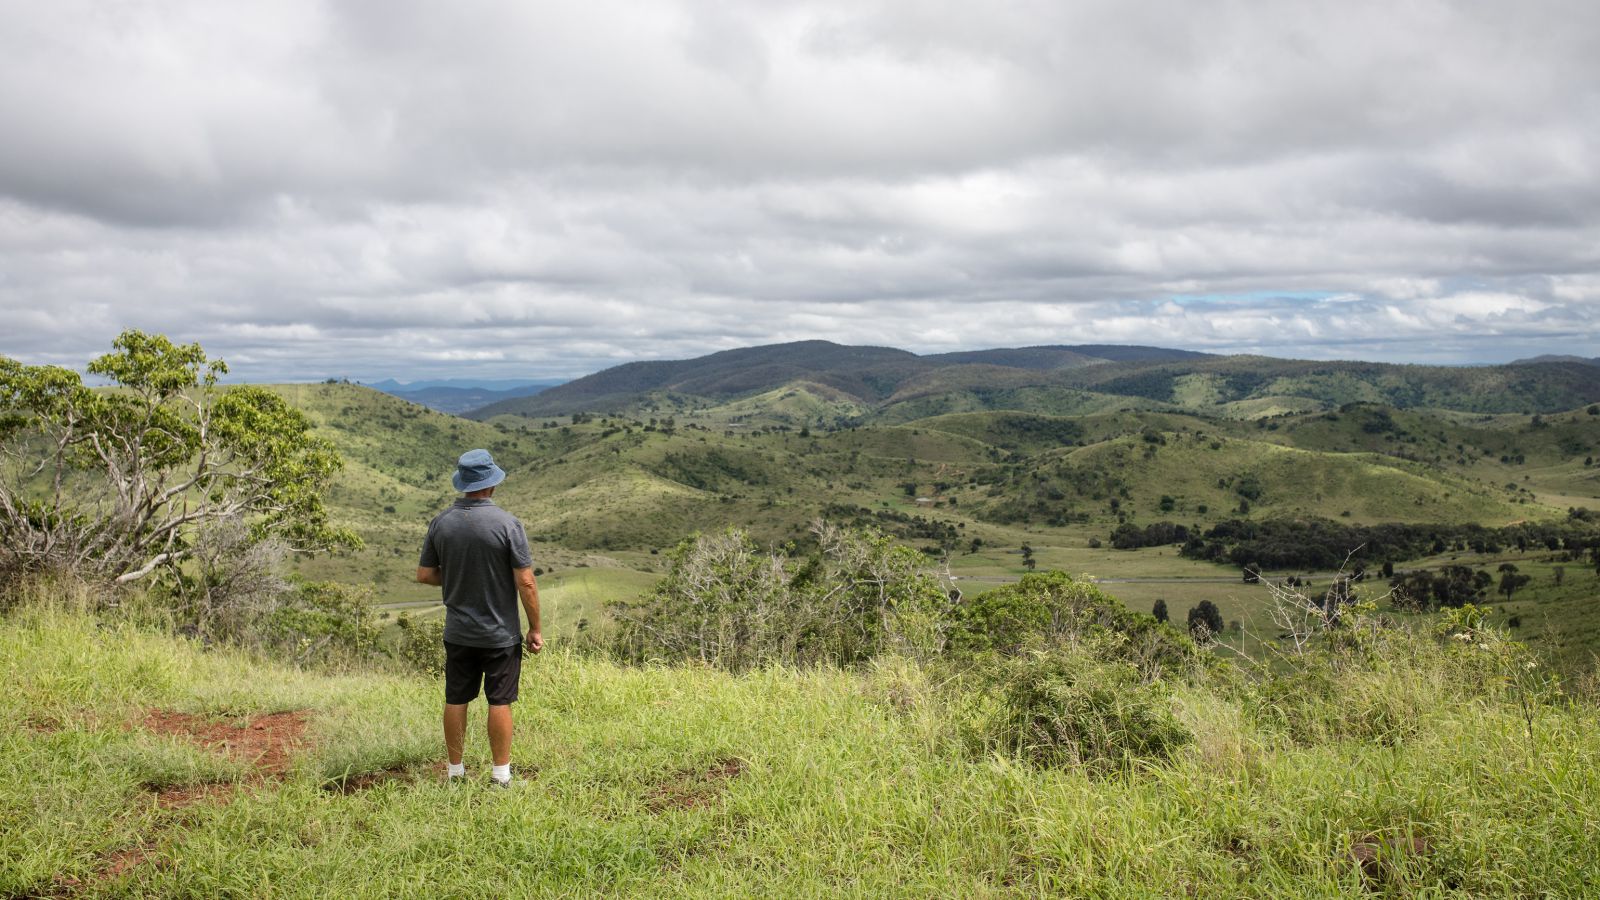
[(455, 730), (462, 675), (499, 733), (500, 680)]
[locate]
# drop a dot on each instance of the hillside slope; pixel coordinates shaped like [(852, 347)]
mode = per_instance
[(1484, 389)]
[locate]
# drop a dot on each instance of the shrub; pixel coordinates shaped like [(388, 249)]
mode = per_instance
[(1050, 609), (1317, 701), (1376, 681), (324, 621), (727, 603), (420, 645), (1064, 707)]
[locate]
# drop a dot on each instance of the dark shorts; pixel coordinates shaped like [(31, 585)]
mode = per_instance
[(497, 669)]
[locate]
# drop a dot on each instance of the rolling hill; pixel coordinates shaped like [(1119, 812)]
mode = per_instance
[(859, 385), (606, 496), (868, 375), (626, 488)]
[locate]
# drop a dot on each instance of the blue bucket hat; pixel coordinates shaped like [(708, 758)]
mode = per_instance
[(475, 471)]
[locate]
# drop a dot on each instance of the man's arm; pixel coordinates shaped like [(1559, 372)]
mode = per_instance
[(528, 590), (430, 575)]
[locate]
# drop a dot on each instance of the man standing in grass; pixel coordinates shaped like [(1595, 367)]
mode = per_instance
[(479, 554)]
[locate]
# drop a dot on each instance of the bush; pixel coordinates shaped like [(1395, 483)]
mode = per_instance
[(1375, 681), (729, 604), (420, 645), (1064, 707), (324, 621), (1317, 701), (1049, 609)]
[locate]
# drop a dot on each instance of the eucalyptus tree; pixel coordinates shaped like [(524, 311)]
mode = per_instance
[(119, 482)]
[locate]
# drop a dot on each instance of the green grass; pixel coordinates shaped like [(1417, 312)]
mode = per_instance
[(846, 783), (1558, 619), (575, 595)]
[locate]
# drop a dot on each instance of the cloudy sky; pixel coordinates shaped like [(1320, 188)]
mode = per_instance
[(474, 188)]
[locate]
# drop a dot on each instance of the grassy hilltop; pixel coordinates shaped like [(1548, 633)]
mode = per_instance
[(1412, 776)]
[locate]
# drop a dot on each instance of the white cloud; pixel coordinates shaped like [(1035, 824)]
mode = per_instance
[(316, 188)]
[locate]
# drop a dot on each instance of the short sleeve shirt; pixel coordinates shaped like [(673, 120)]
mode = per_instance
[(476, 546)]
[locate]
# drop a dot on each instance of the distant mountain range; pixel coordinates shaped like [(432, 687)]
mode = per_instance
[(863, 374), (459, 395), (391, 386), (852, 383), (1555, 358)]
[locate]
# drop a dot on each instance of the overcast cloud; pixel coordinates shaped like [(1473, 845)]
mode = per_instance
[(419, 189)]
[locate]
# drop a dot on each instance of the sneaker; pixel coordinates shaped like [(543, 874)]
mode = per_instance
[(508, 783)]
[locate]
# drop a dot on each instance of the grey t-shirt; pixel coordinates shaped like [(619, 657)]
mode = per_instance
[(476, 545)]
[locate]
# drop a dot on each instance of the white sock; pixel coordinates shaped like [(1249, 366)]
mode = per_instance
[(502, 773), (456, 770)]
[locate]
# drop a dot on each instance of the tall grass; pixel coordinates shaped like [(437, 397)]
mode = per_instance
[(685, 781)]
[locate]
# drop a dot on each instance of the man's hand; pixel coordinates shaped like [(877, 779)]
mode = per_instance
[(528, 590)]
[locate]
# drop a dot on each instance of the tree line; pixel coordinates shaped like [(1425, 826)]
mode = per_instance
[(1313, 543)]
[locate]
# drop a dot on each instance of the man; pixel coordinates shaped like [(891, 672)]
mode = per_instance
[(479, 554)]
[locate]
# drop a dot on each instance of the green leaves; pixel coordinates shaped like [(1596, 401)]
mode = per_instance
[(273, 450), (116, 481), (154, 366)]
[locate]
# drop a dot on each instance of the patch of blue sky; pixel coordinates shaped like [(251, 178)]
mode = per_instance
[(1252, 297)]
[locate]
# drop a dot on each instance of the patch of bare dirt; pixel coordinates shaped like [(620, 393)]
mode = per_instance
[(42, 723), (112, 866), (268, 742), (125, 859), (695, 787)]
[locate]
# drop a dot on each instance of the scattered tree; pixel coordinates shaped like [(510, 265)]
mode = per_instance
[(1205, 621), (119, 482), (1511, 581)]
